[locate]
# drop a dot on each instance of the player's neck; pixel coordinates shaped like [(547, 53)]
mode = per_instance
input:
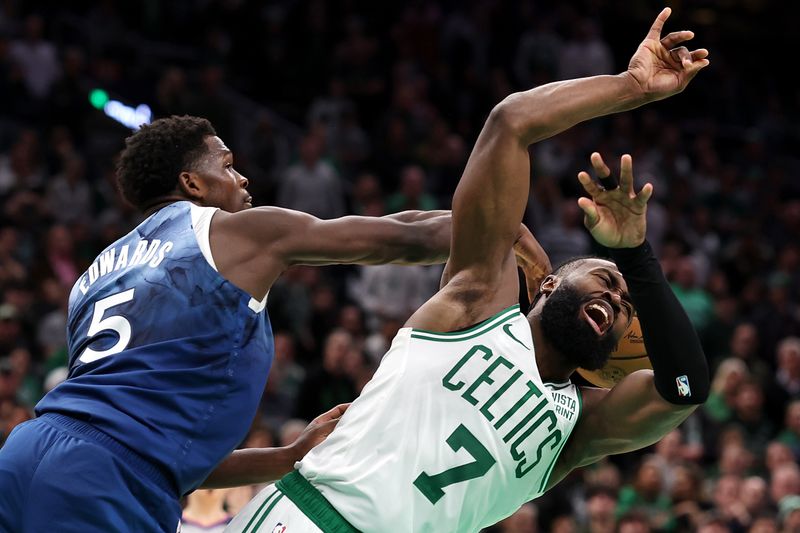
[(552, 366), (162, 201)]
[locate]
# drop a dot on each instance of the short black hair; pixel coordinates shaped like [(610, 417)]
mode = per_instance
[(571, 264), (157, 153), (562, 270)]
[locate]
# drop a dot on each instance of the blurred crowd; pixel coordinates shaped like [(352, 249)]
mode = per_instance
[(356, 107)]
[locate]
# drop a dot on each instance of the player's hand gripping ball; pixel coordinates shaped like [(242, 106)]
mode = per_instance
[(628, 356)]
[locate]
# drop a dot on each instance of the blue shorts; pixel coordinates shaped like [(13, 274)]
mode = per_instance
[(61, 474)]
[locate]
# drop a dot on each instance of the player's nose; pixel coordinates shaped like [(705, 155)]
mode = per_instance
[(243, 182), (614, 297)]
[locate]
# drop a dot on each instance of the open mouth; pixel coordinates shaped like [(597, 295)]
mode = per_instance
[(599, 314)]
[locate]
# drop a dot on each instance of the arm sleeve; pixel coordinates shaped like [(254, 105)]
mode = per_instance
[(680, 369)]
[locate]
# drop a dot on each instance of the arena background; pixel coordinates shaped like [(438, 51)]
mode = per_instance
[(338, 107)]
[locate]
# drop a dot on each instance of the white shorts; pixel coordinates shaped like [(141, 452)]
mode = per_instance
[(271, 512)]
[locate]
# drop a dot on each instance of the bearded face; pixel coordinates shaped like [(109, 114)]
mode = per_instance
[(568, 325)]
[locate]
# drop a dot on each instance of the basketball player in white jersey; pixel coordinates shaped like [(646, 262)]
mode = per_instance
[(472, 412)]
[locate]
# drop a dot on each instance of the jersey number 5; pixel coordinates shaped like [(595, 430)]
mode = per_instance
[(116, 323), (431, 485)]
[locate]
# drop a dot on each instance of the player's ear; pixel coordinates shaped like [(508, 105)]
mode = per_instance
[(549, 285), (192, 185)]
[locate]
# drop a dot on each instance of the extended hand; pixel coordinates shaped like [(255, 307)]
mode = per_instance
[(615, 218), (318, 430), (662, 68)]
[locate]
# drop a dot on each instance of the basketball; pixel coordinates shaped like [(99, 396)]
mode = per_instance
[(629, 355)]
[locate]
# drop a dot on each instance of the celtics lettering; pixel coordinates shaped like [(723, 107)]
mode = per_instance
[(519, 411)]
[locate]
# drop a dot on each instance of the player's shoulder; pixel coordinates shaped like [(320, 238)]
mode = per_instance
[(259, 223)]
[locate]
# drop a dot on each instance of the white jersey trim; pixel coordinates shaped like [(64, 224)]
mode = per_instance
[(201, 224)]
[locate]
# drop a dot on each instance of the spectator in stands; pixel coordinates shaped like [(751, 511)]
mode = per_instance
[(412, 193), (790, 435), (312, 185), (750, 418), (601, 504), (37, 58), (646, 495), (730, 374), (784, 481), (327, 385), (204, 512)]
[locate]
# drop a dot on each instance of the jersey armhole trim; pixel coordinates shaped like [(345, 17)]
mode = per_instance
[(488, 324), (201, 224), (547, 475)]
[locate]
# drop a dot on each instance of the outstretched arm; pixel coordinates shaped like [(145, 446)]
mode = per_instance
[(261, 465), (490, 198), (645, 405), (409, 237), (252, 248)]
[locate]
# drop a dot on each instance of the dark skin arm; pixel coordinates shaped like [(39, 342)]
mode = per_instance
[(259, 244), (633, 414), (253, 247), (260, 465), (490, 198), (628, 417)]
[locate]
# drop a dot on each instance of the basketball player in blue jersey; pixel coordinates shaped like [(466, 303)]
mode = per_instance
[(170, 345), (471, 412)]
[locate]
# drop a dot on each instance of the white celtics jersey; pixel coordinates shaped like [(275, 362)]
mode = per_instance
[(454, 432)]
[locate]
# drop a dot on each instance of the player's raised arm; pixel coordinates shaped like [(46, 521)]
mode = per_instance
[(491, 196), (645, 405)]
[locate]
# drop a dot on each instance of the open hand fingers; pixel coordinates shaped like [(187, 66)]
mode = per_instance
[(590, 215), (592, 188), (626, 174), (689, 61), (607, 180), (658, 25), (694, 67), (675, 38), (333, 414), (681, 56), (644, 195), (599, 165)]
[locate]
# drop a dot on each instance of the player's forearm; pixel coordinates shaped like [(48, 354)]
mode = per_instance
[(544, 111), (419, 216), (251, 466), (425, 239), (680, 369)]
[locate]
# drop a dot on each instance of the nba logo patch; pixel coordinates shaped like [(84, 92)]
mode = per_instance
[(280, 528), (683, 386)]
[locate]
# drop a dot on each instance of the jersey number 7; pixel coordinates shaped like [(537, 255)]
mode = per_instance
[(431, 485)]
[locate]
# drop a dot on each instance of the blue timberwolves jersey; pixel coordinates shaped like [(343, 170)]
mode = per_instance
[(166, 356)]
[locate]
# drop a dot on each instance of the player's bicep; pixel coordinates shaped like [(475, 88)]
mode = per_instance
[(490, 199), (628, 417)]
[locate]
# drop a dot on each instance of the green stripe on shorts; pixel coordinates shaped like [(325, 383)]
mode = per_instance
[(266, 513), (313, 504), (260, 507)]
